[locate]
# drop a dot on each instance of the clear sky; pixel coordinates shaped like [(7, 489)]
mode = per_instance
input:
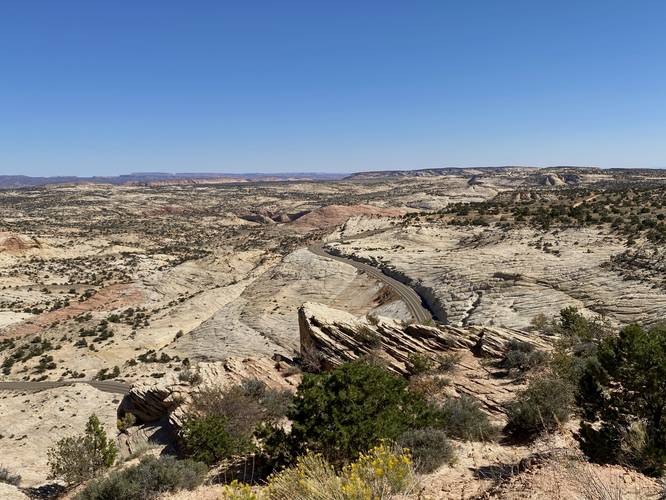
[(107, 87)]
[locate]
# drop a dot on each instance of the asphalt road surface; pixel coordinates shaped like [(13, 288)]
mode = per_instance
[(101, 385), (407, 294)]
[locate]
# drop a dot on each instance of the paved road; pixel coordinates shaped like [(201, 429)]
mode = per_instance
[(102, 385), (406, 293)]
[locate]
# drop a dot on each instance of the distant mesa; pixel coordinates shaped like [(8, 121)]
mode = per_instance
[(552, 180), (157, 178), (475, 171)]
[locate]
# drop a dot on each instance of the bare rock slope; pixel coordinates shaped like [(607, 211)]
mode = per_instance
[(336, 337)]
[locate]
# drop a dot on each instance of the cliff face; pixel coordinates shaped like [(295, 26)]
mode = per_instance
[(338, 337), (165, 400), (330, 337)]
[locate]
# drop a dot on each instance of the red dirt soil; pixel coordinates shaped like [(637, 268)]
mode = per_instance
[(334, 215), (106, 299)]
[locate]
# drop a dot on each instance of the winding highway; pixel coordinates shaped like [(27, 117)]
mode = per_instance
[(111, 386), (406, 293)]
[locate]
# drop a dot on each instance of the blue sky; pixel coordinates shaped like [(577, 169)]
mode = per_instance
[(94, 88)]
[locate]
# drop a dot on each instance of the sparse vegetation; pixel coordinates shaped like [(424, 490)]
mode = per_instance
[(79, 458), (463, 418), (523, 356), (430, 448), (382, 472), (623, 399), (147, 480), (542, 407), (352, 408), (221, 423)]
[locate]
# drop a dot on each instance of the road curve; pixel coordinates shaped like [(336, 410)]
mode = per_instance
[(102, 385), (406, 293)]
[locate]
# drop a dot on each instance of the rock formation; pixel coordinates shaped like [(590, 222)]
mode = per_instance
[(331, 337), (167, 399), (338, 337), (11, 242)]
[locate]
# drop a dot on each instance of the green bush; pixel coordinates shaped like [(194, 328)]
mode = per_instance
[(463, 418), (542, 407), (430, 448), (79, 458), (351, 409), (221, 422), (420, 363), (207, 439), (147, 480), (579, 338), (623, 399), (126, 422), (522, 356), (446, 362)]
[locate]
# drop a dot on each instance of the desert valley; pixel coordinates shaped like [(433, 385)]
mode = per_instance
[(127, 300)]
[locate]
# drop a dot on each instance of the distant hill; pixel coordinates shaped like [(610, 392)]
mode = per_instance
[(435, 172), (21, 181)]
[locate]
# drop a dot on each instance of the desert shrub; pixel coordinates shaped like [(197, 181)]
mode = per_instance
[(208, 440), (9, 478), (446, 362), (221, 422), (522, 356), (352, 408), (539, 322), (277, 447), (189, 376), (623, 400), (382, 472), (430, 387), (430, 448), (147, 480), (576, 348), (311, 360), (369, 337), (79, 458), (127, 421), (420, 363), (276, 403), (463, 418), (542, 407), (239, 491), (312, 478)]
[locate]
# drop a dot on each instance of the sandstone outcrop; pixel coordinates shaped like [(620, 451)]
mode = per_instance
[(167, 399), (331, 337), (12, 242), (496, 277), (338, 337), (9, 492)]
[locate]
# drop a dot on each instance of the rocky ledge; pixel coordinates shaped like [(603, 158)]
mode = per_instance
[(338, 337)]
